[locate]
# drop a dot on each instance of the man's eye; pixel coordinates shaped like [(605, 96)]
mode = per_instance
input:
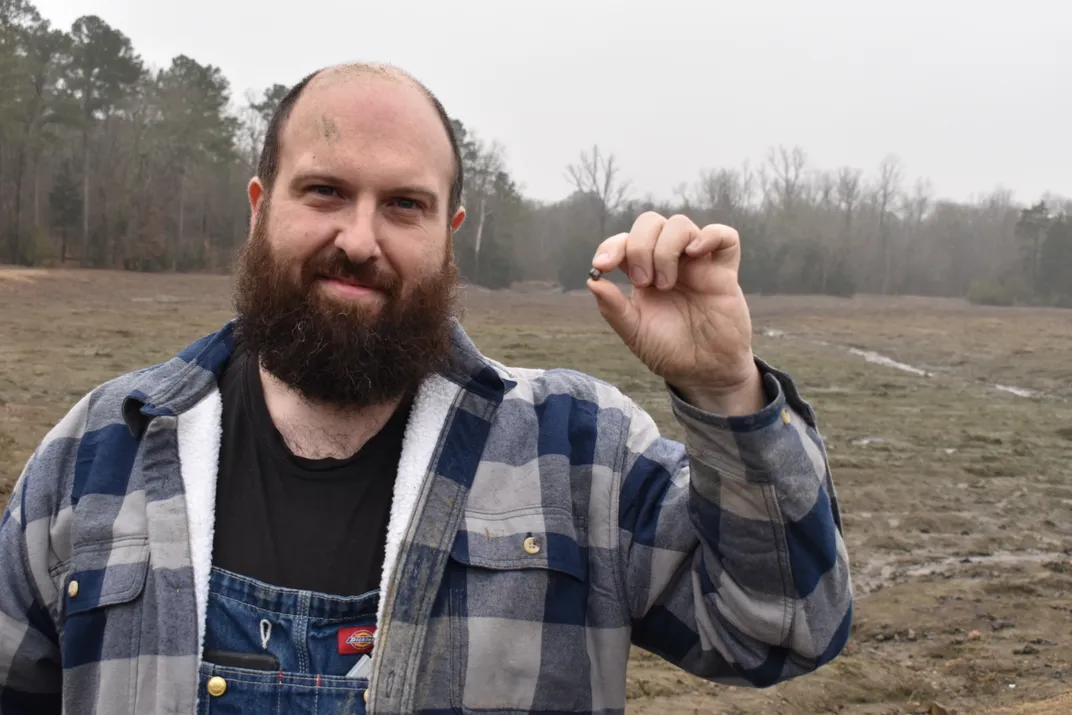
[(407, 204), (324, 190)]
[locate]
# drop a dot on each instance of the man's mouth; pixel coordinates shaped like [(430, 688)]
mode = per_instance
[(348, 286)]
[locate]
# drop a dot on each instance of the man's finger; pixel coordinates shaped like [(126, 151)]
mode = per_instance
[(640, 246), (677, 233), (721, 242)]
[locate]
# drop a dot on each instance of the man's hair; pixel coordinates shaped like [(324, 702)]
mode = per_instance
[(268, 164)]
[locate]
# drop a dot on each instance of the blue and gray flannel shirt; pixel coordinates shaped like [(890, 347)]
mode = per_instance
[(541, 525)]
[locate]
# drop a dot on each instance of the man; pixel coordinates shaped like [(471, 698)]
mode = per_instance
[(339, 473)]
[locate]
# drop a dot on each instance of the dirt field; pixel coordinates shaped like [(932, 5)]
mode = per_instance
[(949, 428)]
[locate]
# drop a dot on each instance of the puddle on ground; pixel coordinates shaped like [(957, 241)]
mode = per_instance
[(1018, 391), (880, 571), (877, 358), (1000, 558), (157, 299)]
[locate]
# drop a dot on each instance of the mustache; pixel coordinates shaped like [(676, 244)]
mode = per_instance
[(338, 266)]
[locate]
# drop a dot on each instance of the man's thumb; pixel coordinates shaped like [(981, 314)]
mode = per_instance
[(616, 309)]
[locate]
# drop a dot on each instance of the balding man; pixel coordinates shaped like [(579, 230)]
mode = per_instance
[(336, 503)]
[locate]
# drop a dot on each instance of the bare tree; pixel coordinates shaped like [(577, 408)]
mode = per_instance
[(825, 187), (823, 223), (887, 190), (725, 191), (684, 195), (787, 171), (484, 165), (597, 176), (253, 126), (848, 196), (919, 203)]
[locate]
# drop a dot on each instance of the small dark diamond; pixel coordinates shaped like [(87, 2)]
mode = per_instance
[(595, 273)]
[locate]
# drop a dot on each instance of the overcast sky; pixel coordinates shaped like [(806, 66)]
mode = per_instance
[(972, 94)]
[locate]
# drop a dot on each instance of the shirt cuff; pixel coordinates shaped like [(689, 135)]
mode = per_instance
[(763, 447), (781, 393)]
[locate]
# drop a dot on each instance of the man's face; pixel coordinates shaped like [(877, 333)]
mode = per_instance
[(346, 286)]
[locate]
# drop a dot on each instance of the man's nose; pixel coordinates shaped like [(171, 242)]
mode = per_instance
[(358, 238)]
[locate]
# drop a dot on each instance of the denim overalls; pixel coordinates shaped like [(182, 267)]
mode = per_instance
[(305, 644)]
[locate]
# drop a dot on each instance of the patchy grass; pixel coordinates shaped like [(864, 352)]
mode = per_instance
[(956, 492)]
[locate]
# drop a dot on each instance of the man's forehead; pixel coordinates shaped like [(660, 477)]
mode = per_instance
[(347, 109)]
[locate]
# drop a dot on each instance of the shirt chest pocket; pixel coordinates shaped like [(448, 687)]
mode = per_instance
[(102, 600), (518, 590)]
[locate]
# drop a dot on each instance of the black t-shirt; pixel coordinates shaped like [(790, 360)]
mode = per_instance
[(313, 524)]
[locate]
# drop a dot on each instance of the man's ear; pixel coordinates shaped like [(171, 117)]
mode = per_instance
[(458, 220), (256, 192)]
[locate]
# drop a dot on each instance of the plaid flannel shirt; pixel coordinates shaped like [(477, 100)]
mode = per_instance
[(547, 526)]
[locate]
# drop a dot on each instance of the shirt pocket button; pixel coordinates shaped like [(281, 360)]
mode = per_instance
[(531, 545)]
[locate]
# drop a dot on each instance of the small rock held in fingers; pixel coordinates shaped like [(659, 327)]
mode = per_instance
[(595, 273)]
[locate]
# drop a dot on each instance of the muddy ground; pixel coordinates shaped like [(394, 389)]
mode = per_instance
[(949, 428)]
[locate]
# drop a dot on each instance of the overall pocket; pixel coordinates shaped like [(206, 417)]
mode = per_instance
[(225, 690), (232, 691)]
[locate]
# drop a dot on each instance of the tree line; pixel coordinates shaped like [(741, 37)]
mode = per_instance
[(107, 162)]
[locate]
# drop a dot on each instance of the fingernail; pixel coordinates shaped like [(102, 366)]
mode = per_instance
[(601, 257), (638, 275), (661, 282)]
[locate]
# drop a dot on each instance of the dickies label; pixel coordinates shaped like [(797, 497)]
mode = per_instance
[(355, 641)]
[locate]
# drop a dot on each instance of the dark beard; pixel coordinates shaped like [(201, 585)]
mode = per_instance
[(338, 354)]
